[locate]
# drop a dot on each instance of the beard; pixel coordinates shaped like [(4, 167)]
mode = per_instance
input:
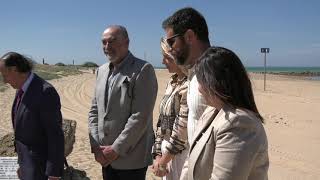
[(181, 58), (183, 54), (112, 57)]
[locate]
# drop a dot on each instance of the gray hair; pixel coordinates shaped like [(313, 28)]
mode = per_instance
[(122, 30)]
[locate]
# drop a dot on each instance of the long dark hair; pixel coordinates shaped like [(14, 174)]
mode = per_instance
[(220, 72)]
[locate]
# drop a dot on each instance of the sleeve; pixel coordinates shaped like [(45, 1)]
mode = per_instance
[(144, 97), (156, 149), (51, 118), (179, 135), (236, 147), (93, 122)]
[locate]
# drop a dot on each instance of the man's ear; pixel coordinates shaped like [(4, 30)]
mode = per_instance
[(190, 36), (127, 42)]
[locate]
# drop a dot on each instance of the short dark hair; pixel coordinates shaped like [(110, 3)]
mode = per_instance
[(21, 62), (188, 18), (220, 72)]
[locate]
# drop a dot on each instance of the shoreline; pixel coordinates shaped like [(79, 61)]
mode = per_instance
[(307, 76), (291, 75)]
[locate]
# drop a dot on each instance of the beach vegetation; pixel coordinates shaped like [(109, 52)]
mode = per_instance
[(2, 85), (49, 72), (60, 64), (89, 64)]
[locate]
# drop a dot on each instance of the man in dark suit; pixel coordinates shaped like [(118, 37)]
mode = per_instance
[(36, 119)]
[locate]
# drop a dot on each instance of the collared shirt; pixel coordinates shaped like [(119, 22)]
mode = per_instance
[(26, 84), (114, 74), (196, 104)]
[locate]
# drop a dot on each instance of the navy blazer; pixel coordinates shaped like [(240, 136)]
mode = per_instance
[(38, 130)]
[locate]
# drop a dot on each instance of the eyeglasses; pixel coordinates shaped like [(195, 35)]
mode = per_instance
[(172, 39)]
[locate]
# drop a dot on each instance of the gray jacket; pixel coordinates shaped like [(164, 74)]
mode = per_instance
[(125, 122)]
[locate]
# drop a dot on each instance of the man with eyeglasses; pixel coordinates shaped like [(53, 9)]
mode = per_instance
[(120, 118), (187, 35)]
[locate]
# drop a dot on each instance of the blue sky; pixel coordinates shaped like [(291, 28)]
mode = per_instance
[(63, 30)]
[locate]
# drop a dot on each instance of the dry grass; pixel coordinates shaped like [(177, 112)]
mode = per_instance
[(49, 72), (2, 85)]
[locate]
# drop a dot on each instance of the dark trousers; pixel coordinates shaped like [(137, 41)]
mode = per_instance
[(32, 173), (119, 174), (32, 167)]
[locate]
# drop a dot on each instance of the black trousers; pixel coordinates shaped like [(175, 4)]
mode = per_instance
[(32, 166), (119, 174)]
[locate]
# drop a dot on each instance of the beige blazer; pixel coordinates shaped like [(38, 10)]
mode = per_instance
[(230, 144), (125, 121)]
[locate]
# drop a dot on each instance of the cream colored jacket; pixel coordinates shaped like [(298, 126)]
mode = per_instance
[(230, 144)]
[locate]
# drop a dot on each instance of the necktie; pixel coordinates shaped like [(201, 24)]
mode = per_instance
[(19, 97)]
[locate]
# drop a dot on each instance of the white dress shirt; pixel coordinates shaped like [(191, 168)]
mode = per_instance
[(196, 105)]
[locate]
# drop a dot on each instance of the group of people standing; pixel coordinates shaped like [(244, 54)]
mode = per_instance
[(209, 126)]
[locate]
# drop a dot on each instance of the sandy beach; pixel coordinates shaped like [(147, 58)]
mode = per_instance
[(289, 106)]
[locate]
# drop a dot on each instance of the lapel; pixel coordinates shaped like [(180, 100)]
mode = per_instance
[(104, 79), (202, 134), (122, 77), (26, 99), (12, 111), (207, 117), (20, 111), (116, 88)]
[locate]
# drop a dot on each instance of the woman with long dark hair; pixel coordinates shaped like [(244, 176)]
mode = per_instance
[(231, 143)]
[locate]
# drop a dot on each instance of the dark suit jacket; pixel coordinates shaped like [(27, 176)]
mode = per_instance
[(38, 130)]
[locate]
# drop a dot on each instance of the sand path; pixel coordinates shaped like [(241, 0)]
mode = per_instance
[(289, 106)]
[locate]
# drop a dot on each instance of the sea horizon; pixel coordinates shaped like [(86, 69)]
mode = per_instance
[(276, 69)]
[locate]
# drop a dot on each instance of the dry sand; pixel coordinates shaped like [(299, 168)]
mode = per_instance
[(289, 106)]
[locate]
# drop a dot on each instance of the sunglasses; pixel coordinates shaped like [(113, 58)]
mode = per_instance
[(171, 40)]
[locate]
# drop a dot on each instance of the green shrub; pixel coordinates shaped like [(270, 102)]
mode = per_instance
[(60, 64), (89, 64)]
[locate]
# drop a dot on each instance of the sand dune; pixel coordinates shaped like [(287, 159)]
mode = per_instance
[(289, 106)]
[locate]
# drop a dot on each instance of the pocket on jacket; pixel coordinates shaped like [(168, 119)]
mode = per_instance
[(206, 159), (125, 96), (112, 129)]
